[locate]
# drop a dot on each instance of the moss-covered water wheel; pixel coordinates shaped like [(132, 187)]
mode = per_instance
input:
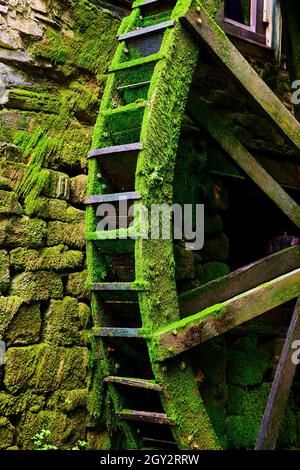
[(148, 394)]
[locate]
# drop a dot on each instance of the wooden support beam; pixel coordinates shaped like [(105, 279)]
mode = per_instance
[(213, 321), (145, 416), (146, 31), (116, 149), (111, 332), (136, 383), (200, 112), (280, 389), (239, 281), (209, 33), (103, 198)]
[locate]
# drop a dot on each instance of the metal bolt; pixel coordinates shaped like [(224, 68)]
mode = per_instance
[(198, 9), (182, 365), (190, 438), (170, 349), (174, 332), (199, 21), (115, 104), (117, 366), (105, 134), (99, 176), (126, 50), (140, 17), (104, 186), (164, 368)]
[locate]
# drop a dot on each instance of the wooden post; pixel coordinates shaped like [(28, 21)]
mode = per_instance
[(280, 389)]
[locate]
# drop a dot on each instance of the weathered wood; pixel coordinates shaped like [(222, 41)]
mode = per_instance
[(116, 332), (116, 286), (280, 389), (145, 416), (195, 329), (240, 281), (204, 116), (208, 32), (124, 196), (137, 383), (115, 149), (133, 85), (145, 31)]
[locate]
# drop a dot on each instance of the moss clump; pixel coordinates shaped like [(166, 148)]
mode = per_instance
[(68, 400), (213, 270), (25, 326), (66, 321), (45, 368), (76, 285), (212, 361), (4, 271), (22, 231), (56, 209), (56, 258), (9, 306), (70, 234), (35, 286), (247, 362), (9, 203), (6, 433), (90, 47)]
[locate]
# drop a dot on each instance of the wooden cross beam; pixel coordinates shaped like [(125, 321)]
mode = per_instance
[(213, 321), (281, 387), (208, 32), (200, 112)]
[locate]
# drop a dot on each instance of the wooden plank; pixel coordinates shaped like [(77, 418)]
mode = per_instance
[(204, 116), (108, 332), (145, 416), (145, 31), (133, 85), (124, 196), (209, 33), (141, 3), (213, 321), (116, 149), (117, 286), (280, 389), (240, 281), (137, 383)]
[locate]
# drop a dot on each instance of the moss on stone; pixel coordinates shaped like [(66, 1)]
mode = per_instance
[(35, 286), (4, 271), (6, 433), (25, 326), (70, 234), (22, 231), (45, 368), (9, 203), (68, 400), (56, 258), (247, 362), (65, 322), (213, 270), (76, 285), (9, 306)]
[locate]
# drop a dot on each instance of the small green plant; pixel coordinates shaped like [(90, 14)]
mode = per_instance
[(81, 445), (41, 440)]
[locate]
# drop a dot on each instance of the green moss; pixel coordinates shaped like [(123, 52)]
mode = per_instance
[(68, 400), (45, 368), (213, 270), (9, 306), (22, 231), (35, 286), (70, 234), (6, 433), (90, 47), (66, 322), (4, 271), (247, 362), (57, 258), (25, 326)]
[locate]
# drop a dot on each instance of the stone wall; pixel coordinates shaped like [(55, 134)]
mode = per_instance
[(53, 57)]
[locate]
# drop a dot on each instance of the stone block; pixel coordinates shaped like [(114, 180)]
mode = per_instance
[(216, 248), (56, 258), (36, 286), (75, 285), (56, 209), (9, 306), (25, 327), (214, 270), (70, 234), (78, 189), (65, 322), (45, 368), (57, 185), (25, 26), (4, 271), (12, 172), (9, 203), (22, 231), (6, 433)]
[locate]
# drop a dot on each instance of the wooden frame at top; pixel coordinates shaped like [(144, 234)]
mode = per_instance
[(255, 32)]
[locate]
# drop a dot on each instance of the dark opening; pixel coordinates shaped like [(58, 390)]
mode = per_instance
[(239, 11)]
